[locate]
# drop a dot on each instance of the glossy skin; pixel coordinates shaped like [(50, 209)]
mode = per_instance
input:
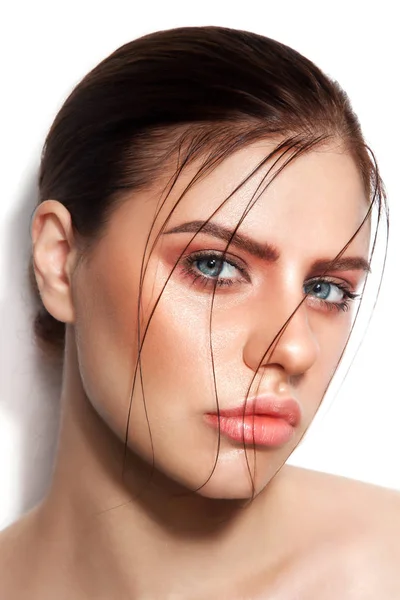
[(203, 544), (323, 195)]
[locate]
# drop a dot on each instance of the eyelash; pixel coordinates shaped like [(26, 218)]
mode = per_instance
[(189, 270), (198, 278), (344, 305)]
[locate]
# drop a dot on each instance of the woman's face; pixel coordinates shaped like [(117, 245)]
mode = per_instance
[(282, 248)]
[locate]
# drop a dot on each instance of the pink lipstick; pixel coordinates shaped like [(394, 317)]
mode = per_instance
[(264, 421)]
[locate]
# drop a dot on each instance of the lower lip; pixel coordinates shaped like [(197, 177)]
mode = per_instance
[(261, 430)]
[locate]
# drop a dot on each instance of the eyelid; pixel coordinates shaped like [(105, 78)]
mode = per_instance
[(229, 257), (222, 252), (331, 279), (351, 277)]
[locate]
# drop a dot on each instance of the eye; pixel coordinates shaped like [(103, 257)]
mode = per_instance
[(325, 290), (329, 294), (215, 267), (210, 268)]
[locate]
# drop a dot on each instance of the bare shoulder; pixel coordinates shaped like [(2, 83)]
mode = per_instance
[(15, 556), (328, 483), (352, 506), (358, 525)]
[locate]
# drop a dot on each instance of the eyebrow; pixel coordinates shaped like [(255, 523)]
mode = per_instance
[(351, 263), (266, 251)]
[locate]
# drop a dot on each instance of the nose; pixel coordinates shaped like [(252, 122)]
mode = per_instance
[(295, 349)]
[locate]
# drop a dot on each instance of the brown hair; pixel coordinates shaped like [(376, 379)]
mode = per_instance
[(191, 91)]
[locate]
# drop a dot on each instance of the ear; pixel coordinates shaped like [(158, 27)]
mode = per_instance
[(54, 257)]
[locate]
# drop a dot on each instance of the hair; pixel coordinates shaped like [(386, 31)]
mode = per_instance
[(162, 101), (192, 91)]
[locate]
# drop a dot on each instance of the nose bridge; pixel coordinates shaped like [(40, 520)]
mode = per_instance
[(282, 327)]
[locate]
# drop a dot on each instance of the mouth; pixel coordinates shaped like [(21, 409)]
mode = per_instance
[(262, 421)]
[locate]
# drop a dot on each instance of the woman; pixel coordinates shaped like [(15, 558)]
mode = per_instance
[(201, 237)]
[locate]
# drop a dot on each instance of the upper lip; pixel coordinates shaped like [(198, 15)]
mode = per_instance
[(267, 405)]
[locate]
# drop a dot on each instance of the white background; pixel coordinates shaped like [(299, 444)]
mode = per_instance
[(46, 47)]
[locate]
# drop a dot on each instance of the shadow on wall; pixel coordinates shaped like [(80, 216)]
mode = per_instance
[(29, 384)]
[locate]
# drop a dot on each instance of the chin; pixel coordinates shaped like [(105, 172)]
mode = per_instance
[(233, 491), (231, 480)]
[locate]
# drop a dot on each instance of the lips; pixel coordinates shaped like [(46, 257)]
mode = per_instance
[(264, 421)]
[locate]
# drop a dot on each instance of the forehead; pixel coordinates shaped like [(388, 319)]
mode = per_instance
[(317, 200)]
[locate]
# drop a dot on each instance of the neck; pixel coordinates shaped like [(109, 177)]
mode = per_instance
[(142, 524)]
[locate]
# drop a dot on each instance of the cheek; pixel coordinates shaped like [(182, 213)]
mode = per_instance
[(106, 338), (332, 332), (176, 367), (176, 356)]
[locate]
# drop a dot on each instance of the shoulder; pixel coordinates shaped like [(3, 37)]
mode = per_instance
[(16, 556), (337, 490), (358, 525), (356, 505)]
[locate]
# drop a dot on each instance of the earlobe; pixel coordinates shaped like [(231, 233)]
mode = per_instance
[(53, 257)]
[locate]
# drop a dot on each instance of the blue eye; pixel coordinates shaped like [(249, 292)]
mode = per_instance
[(209, 268), (330, 294), (214, 267), (324, 290)]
